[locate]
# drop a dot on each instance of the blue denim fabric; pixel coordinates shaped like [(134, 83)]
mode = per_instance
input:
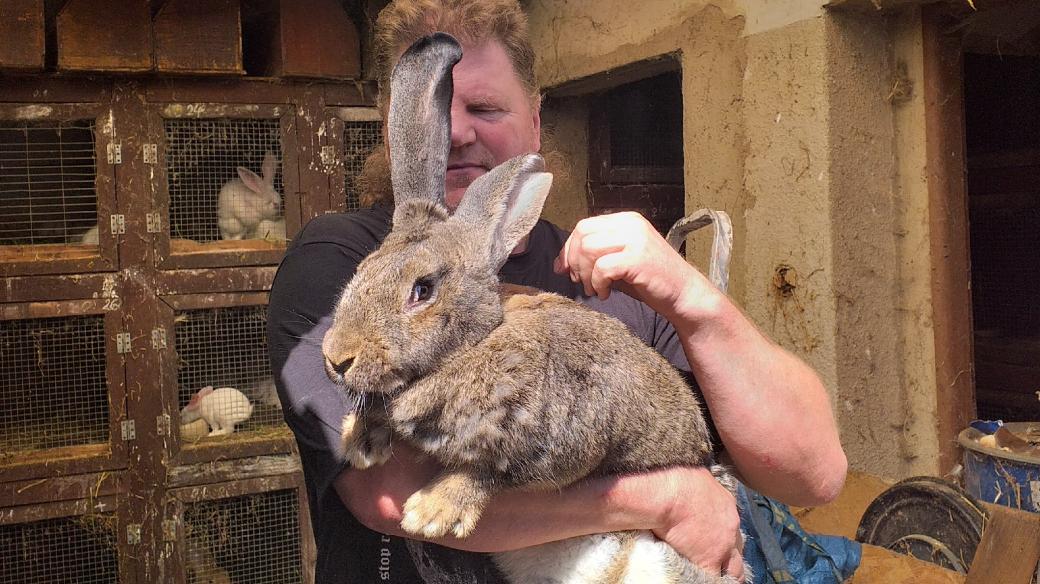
[(778, 550)]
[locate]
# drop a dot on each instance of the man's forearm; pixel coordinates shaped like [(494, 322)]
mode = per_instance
[(770, 408)]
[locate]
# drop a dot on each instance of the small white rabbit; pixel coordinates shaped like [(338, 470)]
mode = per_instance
[(272, 230), (245, 201), (221, 408), (90, 237)]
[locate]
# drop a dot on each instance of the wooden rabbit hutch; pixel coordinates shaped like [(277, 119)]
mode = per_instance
[(121, 125)]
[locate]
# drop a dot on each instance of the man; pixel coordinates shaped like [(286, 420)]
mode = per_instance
[(752, 388)]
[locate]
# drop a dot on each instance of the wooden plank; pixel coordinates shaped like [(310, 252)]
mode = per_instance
[(200, 281), (21, 311), (312, 38), (64, 488), (57, 509), (111, 35), (275, 440), (220, 471), (54, 288), (1009, 550), (237, 488), (216, 300), (23, 33), (199, 36), (53, 89), (55, 462), (948, 224)]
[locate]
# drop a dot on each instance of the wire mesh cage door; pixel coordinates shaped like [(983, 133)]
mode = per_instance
[(356, 132), (227, 403), (57, 189), (70, 541), (61, 389), (226, 183), (249, 530)]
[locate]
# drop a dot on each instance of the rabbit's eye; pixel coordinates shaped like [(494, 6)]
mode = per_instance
[(421, 292)]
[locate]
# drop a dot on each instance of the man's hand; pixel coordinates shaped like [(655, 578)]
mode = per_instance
[(623, 250), (698, 516)]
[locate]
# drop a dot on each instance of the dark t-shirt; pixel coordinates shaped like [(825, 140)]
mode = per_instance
[(322, 258)]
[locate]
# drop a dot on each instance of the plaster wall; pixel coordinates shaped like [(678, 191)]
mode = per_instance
[(805, 127)]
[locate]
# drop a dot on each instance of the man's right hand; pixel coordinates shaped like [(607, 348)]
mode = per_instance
[(700, 520)]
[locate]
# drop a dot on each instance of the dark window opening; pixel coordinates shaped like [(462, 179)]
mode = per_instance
[(636, 150)]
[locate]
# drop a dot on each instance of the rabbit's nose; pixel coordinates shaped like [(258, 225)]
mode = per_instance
[(341, 367)]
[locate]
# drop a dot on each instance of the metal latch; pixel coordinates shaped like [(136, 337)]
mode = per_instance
[(128, 430), (169, 530), (133, 534), (122, 343), (159, 338), (154, 221), (118, 223), (150, 154), (162, 424), (328, 156), (115, 153)]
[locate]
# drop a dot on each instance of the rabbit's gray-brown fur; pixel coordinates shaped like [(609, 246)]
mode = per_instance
[(507, 388)]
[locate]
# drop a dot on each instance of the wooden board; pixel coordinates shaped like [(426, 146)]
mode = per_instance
[(199, 36), (310, 38), (22, 28), (112, 35), (1009, 550)]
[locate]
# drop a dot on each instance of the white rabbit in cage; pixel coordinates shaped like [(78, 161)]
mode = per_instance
[(221, 408), (246, 201), (271, 229), (90, 237)]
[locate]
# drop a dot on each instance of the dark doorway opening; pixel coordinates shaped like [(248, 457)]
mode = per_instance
[(1002, 135)]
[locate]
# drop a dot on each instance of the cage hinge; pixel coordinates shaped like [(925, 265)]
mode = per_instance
[(328, 157), (159, 338), (122, 343), (169, 530), (154, 223), (162, 424), (150, 154), (115, 153), (133, 534), (128, 430), (118, 223)]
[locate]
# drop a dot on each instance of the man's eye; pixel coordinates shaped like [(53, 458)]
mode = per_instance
[(421, 292)]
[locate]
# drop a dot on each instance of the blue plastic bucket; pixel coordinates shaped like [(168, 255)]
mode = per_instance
[(998, 476)]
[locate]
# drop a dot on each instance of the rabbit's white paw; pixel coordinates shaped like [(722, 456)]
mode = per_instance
[(452, 504), (364, 446)]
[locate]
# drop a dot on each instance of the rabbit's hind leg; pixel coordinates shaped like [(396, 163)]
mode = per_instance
[(452, 502)]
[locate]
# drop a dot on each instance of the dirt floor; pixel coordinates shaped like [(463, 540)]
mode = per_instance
[(879, 566)]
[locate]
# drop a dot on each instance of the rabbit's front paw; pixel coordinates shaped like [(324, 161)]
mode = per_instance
[(363, 446), (452, 503)]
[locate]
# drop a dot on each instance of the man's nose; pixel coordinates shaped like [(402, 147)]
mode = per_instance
[(463, 132)]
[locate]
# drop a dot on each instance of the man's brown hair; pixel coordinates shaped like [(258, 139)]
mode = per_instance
[(403, 22), (472, 22)]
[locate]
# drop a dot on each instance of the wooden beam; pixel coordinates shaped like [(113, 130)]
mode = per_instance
[(199, 36), (1009, 550), (948, 223), (95, 35), (22, 31)]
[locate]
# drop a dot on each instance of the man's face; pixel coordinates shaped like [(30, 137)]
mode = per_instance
[(492, 118)]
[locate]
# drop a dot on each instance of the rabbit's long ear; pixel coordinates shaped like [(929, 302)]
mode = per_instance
[(419, 120), (504, 204), (267, 167)]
